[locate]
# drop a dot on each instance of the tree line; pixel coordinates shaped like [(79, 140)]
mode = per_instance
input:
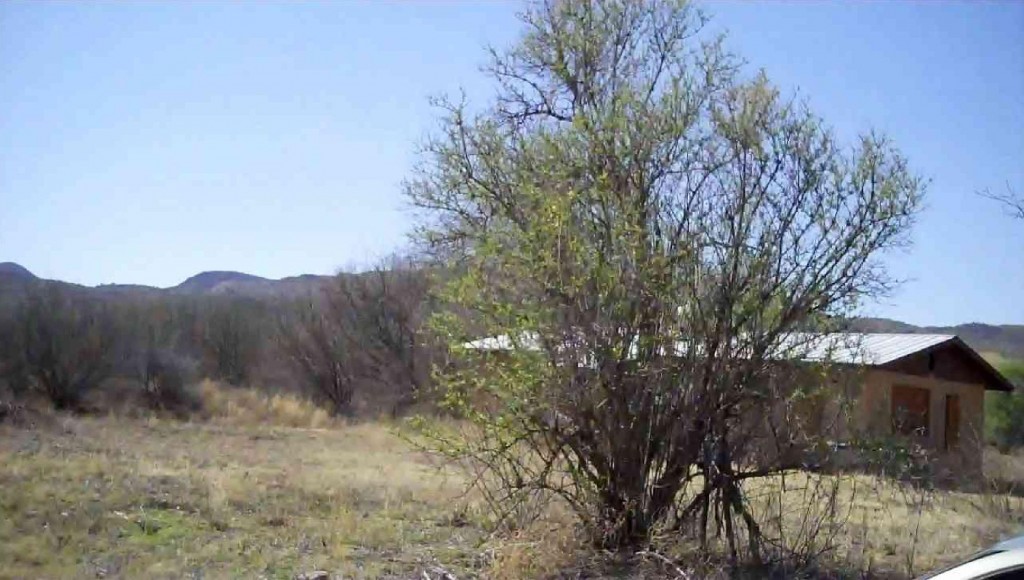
[(355, 344)]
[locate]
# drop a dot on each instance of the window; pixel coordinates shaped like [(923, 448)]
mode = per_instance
[(910, 410)]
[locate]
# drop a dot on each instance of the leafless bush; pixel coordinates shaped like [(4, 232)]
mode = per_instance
[(232, 337), (166, 379), (60, 344), (362, 336), (15, 380)]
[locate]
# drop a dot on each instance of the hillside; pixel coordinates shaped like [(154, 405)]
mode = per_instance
[(10, 271), (218, 282), (241, 284), (15, 279)]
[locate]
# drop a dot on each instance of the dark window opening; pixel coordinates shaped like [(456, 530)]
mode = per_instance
[(910, 410), (952, 421)]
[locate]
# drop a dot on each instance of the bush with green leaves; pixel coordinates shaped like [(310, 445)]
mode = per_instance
[(646, 227), (1004, 412)]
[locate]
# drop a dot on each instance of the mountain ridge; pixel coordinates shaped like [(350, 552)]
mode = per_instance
[(15, 270), (212, 282)]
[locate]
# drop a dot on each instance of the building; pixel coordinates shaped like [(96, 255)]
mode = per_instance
[(928, 389)]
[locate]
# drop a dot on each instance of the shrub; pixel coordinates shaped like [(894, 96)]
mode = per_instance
[(1004, 412), (165, 379), (651, 234), (362, 337), (59, 344), (247, 406)]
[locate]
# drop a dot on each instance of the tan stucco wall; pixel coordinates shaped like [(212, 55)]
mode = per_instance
[(875, 407)]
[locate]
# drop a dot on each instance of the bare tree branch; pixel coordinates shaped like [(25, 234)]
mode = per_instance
[(1012, 201)]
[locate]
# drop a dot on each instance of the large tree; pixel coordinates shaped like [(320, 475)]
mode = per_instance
[(648, 227)]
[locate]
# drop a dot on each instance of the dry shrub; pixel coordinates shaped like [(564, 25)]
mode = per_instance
[(543, 550), (243, 406), (166, 379), (20, 413), (1002, 496), (1005, 471)]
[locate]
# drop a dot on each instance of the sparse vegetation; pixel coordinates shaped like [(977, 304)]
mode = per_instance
[(253, 408), (240, 497), (122, 498), (1004, 412), (58, 345)]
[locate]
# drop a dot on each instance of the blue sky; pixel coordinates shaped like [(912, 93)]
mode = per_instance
[(145, 142)]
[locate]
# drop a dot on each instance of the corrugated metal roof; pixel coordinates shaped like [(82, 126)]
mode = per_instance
[(847, 348), (861, 348), (869, 349)]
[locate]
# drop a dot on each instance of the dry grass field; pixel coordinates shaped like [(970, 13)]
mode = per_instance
[(104, 497), (86, 497)]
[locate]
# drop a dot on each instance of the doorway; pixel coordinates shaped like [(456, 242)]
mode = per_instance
[(952, 422)]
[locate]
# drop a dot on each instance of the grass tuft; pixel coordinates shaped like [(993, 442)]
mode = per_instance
[(249, 407)]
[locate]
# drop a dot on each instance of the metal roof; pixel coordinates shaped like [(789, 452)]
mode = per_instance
[(848, 348), (504, 342), (868, 349), (862, 348)]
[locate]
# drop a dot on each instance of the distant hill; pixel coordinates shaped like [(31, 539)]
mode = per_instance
[(15, 279), (9, 271), (114, 289), (241, 284), (217, 282)]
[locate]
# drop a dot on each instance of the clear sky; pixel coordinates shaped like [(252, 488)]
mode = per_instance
[(143, 142)]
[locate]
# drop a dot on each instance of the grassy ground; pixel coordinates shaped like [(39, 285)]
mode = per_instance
[(104, 497), (115, 497)]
